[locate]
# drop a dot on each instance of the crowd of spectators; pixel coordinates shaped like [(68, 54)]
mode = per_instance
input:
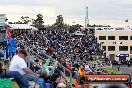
[(71, 50), (122, 62), (60, 42)]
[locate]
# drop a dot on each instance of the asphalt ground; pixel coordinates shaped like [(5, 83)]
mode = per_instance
[(124, 69)]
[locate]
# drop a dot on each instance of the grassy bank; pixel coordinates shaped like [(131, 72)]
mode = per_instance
[(112, 70), (14, 85)]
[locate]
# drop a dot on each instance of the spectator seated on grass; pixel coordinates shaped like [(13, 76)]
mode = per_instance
[(22, 82), (18, 63)]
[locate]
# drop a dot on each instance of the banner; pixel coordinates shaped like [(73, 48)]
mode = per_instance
[(8, 32), (45, 65)]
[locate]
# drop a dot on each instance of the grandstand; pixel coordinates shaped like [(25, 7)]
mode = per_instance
[(69, 51)]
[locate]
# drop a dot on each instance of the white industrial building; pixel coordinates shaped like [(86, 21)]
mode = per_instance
[(116, 42)]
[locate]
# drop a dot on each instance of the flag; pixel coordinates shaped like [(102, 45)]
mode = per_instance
[(8, 32), (52, 71), (45, 65), (126, 20)]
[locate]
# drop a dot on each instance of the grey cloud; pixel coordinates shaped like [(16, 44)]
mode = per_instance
[(103, 9)]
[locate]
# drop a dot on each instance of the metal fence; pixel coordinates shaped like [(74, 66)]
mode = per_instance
[(53, 60)]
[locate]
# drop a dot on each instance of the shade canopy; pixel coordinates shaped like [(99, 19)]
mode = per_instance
[(78, 33), (21, 26)]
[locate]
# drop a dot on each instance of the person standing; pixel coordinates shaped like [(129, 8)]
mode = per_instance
[(11, 47), (118, 67), (129, 63)]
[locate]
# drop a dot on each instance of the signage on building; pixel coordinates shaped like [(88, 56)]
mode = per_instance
[(122, 55)]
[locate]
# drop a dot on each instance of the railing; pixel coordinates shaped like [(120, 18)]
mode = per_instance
[(59, 64), (65, 69)]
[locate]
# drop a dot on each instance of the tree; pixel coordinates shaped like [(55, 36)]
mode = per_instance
[(38, 20), (66, 26), (75, 27), (25, 19), (59, 22), (10, 22), (18, 22), (33, 21)]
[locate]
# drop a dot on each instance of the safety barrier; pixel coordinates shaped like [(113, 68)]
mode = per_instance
[(53, 60)]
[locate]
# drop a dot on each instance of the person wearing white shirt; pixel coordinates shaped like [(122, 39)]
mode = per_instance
[(18, 63), (87, 67)]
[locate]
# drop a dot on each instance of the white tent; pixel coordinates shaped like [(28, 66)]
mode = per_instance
[(78, 33), (22, 26)]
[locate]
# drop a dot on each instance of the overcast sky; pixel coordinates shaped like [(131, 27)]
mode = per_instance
[(111, 12)]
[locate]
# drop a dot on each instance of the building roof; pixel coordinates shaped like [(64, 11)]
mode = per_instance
[(38, 26), (21, 26), (99, 25)]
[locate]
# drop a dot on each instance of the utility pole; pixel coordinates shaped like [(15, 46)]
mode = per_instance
[(86, 18)]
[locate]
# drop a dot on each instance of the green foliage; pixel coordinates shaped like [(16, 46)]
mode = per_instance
[(59, 22), (76, 27), (25, 19), (112, 70), (38, 20), (66, 26)]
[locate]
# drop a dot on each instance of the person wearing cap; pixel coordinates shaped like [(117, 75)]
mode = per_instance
[(18, 63)]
